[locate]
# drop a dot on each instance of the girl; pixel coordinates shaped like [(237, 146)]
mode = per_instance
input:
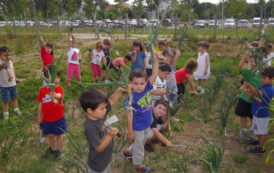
[(185, 74), (138, 56), (96, 58), (203, 71), (148, 60), (46, 53), (74, 60)]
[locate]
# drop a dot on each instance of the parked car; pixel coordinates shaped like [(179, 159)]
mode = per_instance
[(256, 22), (20, 23), (132, 22), (53, 22), (86, 23), (75, 23), (42, 23), (229, 23), (3, 23), (10, 23), (142, 23), (271, 22), (153, 23), (30, 23), (193, 22), (243, 23), (200, 24), (167, 22), (211, 23)]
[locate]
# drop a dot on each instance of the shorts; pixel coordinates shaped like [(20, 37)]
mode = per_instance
[(107, 170), (58, 127), (149, 72), (8, 93), (172, 98), (150, 133), (181, 89), (243, 109), (260, 125)]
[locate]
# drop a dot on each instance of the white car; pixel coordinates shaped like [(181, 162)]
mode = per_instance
[(229, 23), (3, 23), (256, 22), (243, 23), (65, 23), (30, 23), (75, 23), (42, 23), (271, 22)]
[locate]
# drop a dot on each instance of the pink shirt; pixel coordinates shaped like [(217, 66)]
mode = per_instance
[(117, 62)]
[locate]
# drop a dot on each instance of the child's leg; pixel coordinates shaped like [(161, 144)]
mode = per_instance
[(243, 122), (99, 71), (138, 148), (59, 142), (5, 107), (94, 71), (51, 138), (69, 73), (261, 139), (106, 74), (77, 73)]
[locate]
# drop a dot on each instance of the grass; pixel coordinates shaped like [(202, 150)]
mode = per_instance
[(189, 131)]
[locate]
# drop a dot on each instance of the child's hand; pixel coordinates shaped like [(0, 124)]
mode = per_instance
[(134, 52), (130, 137), (195, 93), (169, 144), (205, 73), (39, 120), (113, 132), (123, 90)]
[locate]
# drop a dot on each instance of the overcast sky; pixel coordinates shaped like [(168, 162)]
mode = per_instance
[(212, 1)]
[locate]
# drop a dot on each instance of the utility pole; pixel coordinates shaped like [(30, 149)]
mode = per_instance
[(222, 13)]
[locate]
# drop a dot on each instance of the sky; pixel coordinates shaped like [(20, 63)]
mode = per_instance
[(212, 1)]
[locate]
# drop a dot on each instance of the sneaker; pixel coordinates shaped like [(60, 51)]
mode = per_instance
[(5, 117), (127, 156), (57, 154), (144, 169), (251, 134), (149, 148), (254, 142), (18, 113), (242, 134), (48, 152), (155, 141), (257, 150)]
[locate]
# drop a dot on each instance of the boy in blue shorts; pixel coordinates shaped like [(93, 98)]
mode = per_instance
[(260, 108)]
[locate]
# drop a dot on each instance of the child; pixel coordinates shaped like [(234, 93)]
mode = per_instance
[(4, 62), (96, 106), (159, 122), (269, 56), (171, 79), (161, 47), (120, 61), (203, 71), (185, 74), (160, 87), (244, 105), (138, 56), (51, 114), (74, 60), (96, 58), (139, 123), (46, 53), (260, 107), (8, 87), (148, 60), (107, 46)]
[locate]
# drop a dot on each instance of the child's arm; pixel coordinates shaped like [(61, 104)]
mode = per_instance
[(39, 120), (103, 60), (155, 69), (116, 95), (177, 55), (243, 61), (158, 92), (191, 83), (252, 89), (134, 56), (207, 64), (42, 42), (144, 61), (112, 41), (69, 40), (106, 140), (124, 65), (161, 137), (130, 127)]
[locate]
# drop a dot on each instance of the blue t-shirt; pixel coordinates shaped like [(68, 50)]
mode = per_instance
[(139, 63), (142, 104), (260, 106)]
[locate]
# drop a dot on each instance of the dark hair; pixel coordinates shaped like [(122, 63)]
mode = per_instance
[(203, 44), (49, 69), (128, 57), (191, 65), (107, 42), (91, 98), (164, 67), (161, 43), (137, 43), (161, 102), (50, 46), (268, 72), (268, 46), (138, 73), (4, 49), (168, 52), (255, 44), (99, 45)]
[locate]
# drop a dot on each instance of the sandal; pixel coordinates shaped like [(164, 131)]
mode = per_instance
[(145, 169)]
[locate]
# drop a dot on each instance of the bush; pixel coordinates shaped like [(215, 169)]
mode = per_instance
[(2, 17), (9, 31)]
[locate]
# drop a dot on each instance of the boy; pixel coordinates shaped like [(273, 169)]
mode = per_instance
[(120, 61), (139, 123), (96, 106), (160, 86), (159, 122), (244, 105), (51, 114), (269, 56), (8, 86), (107, 46), (260, 107)]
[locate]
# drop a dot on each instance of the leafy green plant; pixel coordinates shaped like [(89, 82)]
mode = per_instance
[(9, 31)]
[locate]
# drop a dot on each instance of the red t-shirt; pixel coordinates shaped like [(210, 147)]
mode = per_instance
[(51, 111), (117, 62), (181, 75), (46, 57)]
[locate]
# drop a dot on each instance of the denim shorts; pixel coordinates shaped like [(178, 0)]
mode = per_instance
[(8, 93), (172, 98), (56, 127)]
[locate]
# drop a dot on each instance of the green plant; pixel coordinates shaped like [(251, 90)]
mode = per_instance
[(9, 31), (239, 159)]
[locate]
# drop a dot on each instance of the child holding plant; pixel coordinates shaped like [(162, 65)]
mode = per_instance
[(51, 113), (203, 70), (185, 75), (244, 105), (260, 108), (96, 106), (46, 52), (8, 85), (138, 56), (107, 45), (120, 61), (139, 117), (74, 60), (97, 57), (269, 56)]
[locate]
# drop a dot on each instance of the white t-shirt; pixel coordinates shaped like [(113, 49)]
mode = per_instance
[(268, 59), (73, 55), (148, 60), (4, 78), (160, 85), (199, 73), (97, 57)]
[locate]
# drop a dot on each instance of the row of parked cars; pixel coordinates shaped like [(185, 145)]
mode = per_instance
[(231, 23)]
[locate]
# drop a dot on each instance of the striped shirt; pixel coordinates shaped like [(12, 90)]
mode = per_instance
[(171, 81), (4, 78)]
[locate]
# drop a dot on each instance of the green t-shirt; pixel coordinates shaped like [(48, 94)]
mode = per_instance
[(254, 79)]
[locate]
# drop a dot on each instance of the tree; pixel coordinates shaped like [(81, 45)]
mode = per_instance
[(236, 8), (71, 6), (138, 8), (90, 10)]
